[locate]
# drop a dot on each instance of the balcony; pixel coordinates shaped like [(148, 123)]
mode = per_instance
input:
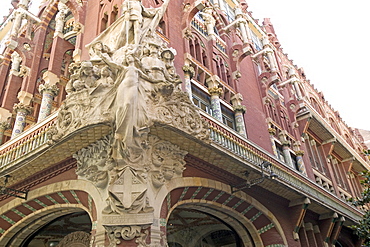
[(32, 151)]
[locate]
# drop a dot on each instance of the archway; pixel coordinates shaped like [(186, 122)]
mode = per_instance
[(54, 232), (241, 215), (193, 227)]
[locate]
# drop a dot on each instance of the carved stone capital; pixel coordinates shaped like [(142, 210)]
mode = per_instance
[(272, 131), (188, 70), (4, 125), (286, 143), (237, 99), (22, 108), (299, 152), (240, 108), (215, 91), (24, 71), (49, 88)]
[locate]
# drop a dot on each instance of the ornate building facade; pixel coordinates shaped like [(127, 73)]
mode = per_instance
[(166, 123)]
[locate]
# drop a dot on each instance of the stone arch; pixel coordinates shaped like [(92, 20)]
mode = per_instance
[(19, 218), (31, 223), (207, 194)]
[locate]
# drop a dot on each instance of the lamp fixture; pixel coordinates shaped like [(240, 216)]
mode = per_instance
[(12, 192), (266, 167)]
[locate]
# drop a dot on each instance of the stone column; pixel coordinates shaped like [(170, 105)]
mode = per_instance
[(239, 110), (215, 92), (299, 157), (3, 126), (272, 132), (20, 120), (48, 93), (189, 73)]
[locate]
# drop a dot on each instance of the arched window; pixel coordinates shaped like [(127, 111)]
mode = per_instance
[(316, 106), (334, 125)]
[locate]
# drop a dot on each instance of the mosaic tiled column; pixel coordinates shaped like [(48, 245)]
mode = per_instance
[(189, 73), (215, 102), (3, 126), (272, 132), (299, 157), (20, 120), (48, 93), (239, 110)]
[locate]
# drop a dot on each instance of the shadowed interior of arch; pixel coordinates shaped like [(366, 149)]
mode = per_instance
[(53, 232), (191, 227)]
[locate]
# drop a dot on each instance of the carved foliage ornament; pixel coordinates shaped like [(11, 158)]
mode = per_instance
[(76, 239), (127, 181), (115, 233)]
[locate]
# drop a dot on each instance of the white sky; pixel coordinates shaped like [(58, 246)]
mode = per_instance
[(329, 39)]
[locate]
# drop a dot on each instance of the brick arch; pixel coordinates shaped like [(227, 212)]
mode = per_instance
[(260, 222), (45, 204)]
